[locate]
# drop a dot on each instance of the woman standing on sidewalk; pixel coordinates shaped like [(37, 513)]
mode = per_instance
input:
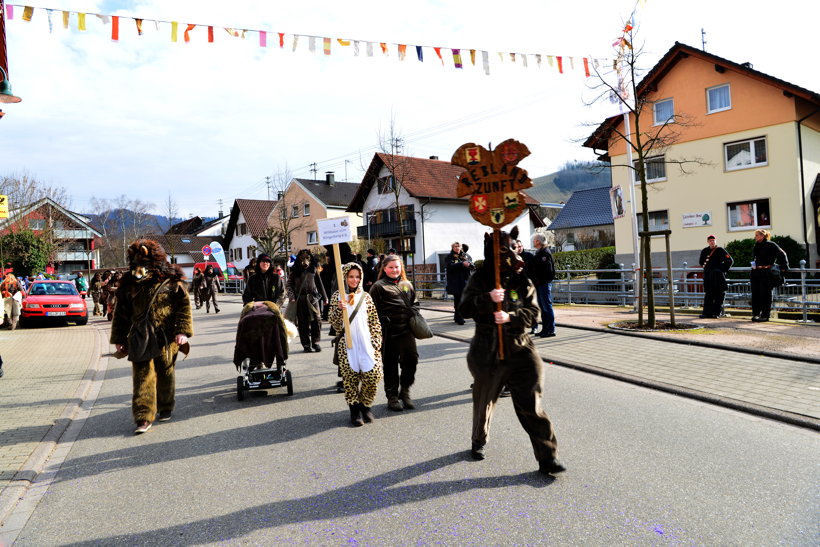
[(766, 254), (395, 299), (360, 365)]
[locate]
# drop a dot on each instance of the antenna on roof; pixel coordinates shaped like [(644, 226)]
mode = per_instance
[(702, 39), (313, 169), (267, 181), (219, 201)]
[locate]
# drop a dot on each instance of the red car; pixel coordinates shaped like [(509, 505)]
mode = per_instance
[(58, 300)]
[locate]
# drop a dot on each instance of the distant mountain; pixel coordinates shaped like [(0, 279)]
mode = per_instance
[(577, 175), (148, 223)]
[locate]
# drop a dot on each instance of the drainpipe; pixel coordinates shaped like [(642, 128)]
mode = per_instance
[(803, 179), (423, 246)]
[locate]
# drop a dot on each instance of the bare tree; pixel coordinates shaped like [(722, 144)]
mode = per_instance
[(169, 212), (391, 144), (23, 189), (278, 236), (647, 143)]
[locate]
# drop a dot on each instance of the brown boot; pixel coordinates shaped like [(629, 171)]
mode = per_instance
[(355, 416), (367, 414), (405, 398), (393, 403)]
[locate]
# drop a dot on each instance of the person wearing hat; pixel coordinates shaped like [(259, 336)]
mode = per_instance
[(715, 262), (265, 284)]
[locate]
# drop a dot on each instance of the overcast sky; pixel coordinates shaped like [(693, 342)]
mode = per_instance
[(205, 121)]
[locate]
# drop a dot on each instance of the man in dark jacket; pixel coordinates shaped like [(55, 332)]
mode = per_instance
[(521, 369), (715, 262), (264, 284), (458, 273), (541, 270), (371, 269)]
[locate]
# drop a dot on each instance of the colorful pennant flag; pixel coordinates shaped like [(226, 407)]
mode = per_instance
[(402, 52), (560, 63), (457, 58), (281, 40), (186, 35), (438, 52), (28, 13), (81, 22), (263, 38), (66, 15), (139, 27), (419, 54), (174, 31), (115, 28), (327, 46), (343, 42), (210, 34)]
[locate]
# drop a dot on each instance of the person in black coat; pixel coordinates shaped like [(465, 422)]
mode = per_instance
[(766, 254), (458, 273), (264, 284), (715, 262)]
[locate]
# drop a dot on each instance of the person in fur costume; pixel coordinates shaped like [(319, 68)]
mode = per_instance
[(522, 369), (150, 276), (306, 289), (360, 365)]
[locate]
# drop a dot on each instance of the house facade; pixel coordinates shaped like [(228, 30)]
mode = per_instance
[(585, 222), (432, 216), (751, 147), (72, 234), (305, 201), (248, 220)]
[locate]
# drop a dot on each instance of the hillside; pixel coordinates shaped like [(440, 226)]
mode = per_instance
[(558, 187)]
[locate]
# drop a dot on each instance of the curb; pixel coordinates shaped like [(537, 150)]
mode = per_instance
[(34, 465), (733, 404)]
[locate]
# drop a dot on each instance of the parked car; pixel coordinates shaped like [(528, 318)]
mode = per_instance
[(53, 300), (233, 273)]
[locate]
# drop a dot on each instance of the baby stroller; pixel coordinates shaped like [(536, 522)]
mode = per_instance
[(261, 349)]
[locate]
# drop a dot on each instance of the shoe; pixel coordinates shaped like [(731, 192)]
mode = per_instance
[(460, 321), (505, 392), (551, 467), (702, 316), (142, 427), (546, 335), (404, 395), (216, 310), (477, 451), (355, 416), (762, 319), (340, 387), (394, 404), (367, 414), (207, 311), (316, 347), (308, 349), (165, 415)]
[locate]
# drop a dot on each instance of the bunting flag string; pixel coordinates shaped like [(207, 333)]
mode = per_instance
[(553, 61)]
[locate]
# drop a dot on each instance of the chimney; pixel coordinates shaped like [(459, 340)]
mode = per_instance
[(330, 178), (433, 157), (747, 65), (279, 195)]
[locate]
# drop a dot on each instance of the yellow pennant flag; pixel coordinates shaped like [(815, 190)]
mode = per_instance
[(28, 12), (174, 30), (66, 15), (343, 42), (81, 21)]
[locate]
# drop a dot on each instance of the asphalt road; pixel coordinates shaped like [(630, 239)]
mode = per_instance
[(645, 468)]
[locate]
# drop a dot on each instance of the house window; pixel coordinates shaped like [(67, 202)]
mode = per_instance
[(718, 98), (230, 254), (306, 210), (312, 239), (37, 223), (664, 111), (238, 253), (386, 184), (294, 212), (745, 154), (749, 215), (251, 251), (658, 220), (241, 229), (655, 168)]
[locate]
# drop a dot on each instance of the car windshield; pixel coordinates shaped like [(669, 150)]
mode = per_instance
[(60, 289)]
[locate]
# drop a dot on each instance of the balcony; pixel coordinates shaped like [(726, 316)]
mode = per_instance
[(386, 229)]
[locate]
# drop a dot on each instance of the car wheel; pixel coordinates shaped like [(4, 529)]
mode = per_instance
[(82, 320), (240, 388)]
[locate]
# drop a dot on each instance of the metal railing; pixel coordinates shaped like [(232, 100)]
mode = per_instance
[(387, 229)]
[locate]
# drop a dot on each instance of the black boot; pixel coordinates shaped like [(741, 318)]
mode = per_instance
[(367, 413), (404, 395), (393, 402), (477, 451), (356, 416)]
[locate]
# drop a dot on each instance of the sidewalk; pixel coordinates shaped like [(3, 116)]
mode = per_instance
[(777, 385)]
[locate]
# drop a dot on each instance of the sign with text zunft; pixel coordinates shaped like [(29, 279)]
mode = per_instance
[(334, 230), (4, 207)]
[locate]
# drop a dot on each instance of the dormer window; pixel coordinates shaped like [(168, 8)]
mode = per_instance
[(664, 111)]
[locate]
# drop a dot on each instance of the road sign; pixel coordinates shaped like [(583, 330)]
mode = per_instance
[(206, 250)]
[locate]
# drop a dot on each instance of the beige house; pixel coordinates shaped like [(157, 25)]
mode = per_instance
[(757, 142), (304, 202)]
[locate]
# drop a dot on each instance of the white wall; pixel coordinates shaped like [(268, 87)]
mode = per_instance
[(216, 229), (240, 242)]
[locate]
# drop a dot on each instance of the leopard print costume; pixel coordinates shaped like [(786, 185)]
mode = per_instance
[(360, 387)]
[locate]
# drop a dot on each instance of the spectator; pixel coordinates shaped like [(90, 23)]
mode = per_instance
[(458, 273), (542, 274), (371, 269), (766, 254), (249, 270), (715, 262), (81, 282)]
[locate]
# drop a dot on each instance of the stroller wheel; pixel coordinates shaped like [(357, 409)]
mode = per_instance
[(289, 380), (240, 388)]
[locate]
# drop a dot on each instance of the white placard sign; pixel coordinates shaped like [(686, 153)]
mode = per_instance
[(693, 220), (334, 230)]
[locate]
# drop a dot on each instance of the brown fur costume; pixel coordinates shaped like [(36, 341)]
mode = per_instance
[(171, 313), (305, 288)]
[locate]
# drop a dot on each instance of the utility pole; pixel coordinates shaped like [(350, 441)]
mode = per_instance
[(219, 201), (702, 39), (313, 170), (346, 162), (268, 182)]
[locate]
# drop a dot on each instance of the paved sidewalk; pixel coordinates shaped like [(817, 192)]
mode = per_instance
[(781, 388)]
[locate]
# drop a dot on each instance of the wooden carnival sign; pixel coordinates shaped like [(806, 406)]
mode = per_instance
[(493, 181)]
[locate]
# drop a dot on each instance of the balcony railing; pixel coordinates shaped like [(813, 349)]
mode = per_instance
[(387, 229), (74, 256)]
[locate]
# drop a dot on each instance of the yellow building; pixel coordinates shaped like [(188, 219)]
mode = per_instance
[(744, 154)]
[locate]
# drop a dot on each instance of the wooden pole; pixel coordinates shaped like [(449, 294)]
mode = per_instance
[(670, 282), (340, 282), (498, 305)]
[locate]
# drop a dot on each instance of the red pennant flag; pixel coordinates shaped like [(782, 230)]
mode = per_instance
[(560, 64), (438, 52), (586, 67), (281, 39), (210, 34), (186, 36), (115, 27), (139, 26)]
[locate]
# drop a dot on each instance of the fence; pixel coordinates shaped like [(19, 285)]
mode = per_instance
[(800, 294)]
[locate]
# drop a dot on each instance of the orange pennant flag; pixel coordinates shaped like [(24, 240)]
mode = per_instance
[(210, 34), (115, 27), (438, 52), (472, 57), (281, 39), (586, 67), (384, 47), (560, 63), (139, 26), (402, 51), (186, 36), (343, 42)]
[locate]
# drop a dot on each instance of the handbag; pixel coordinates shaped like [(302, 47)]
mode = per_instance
[(418, 325), (145, 341), (775, 276)]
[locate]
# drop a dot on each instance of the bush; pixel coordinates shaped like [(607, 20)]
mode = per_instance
[(741, 251), (602, 258)]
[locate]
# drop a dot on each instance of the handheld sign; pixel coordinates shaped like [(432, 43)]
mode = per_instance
[(493, 181), (333, 231), (219, 256), (4, 206)]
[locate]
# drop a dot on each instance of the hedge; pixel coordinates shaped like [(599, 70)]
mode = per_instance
[(602, 258)]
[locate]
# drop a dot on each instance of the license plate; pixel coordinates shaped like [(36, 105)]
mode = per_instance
[(55, 313)]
